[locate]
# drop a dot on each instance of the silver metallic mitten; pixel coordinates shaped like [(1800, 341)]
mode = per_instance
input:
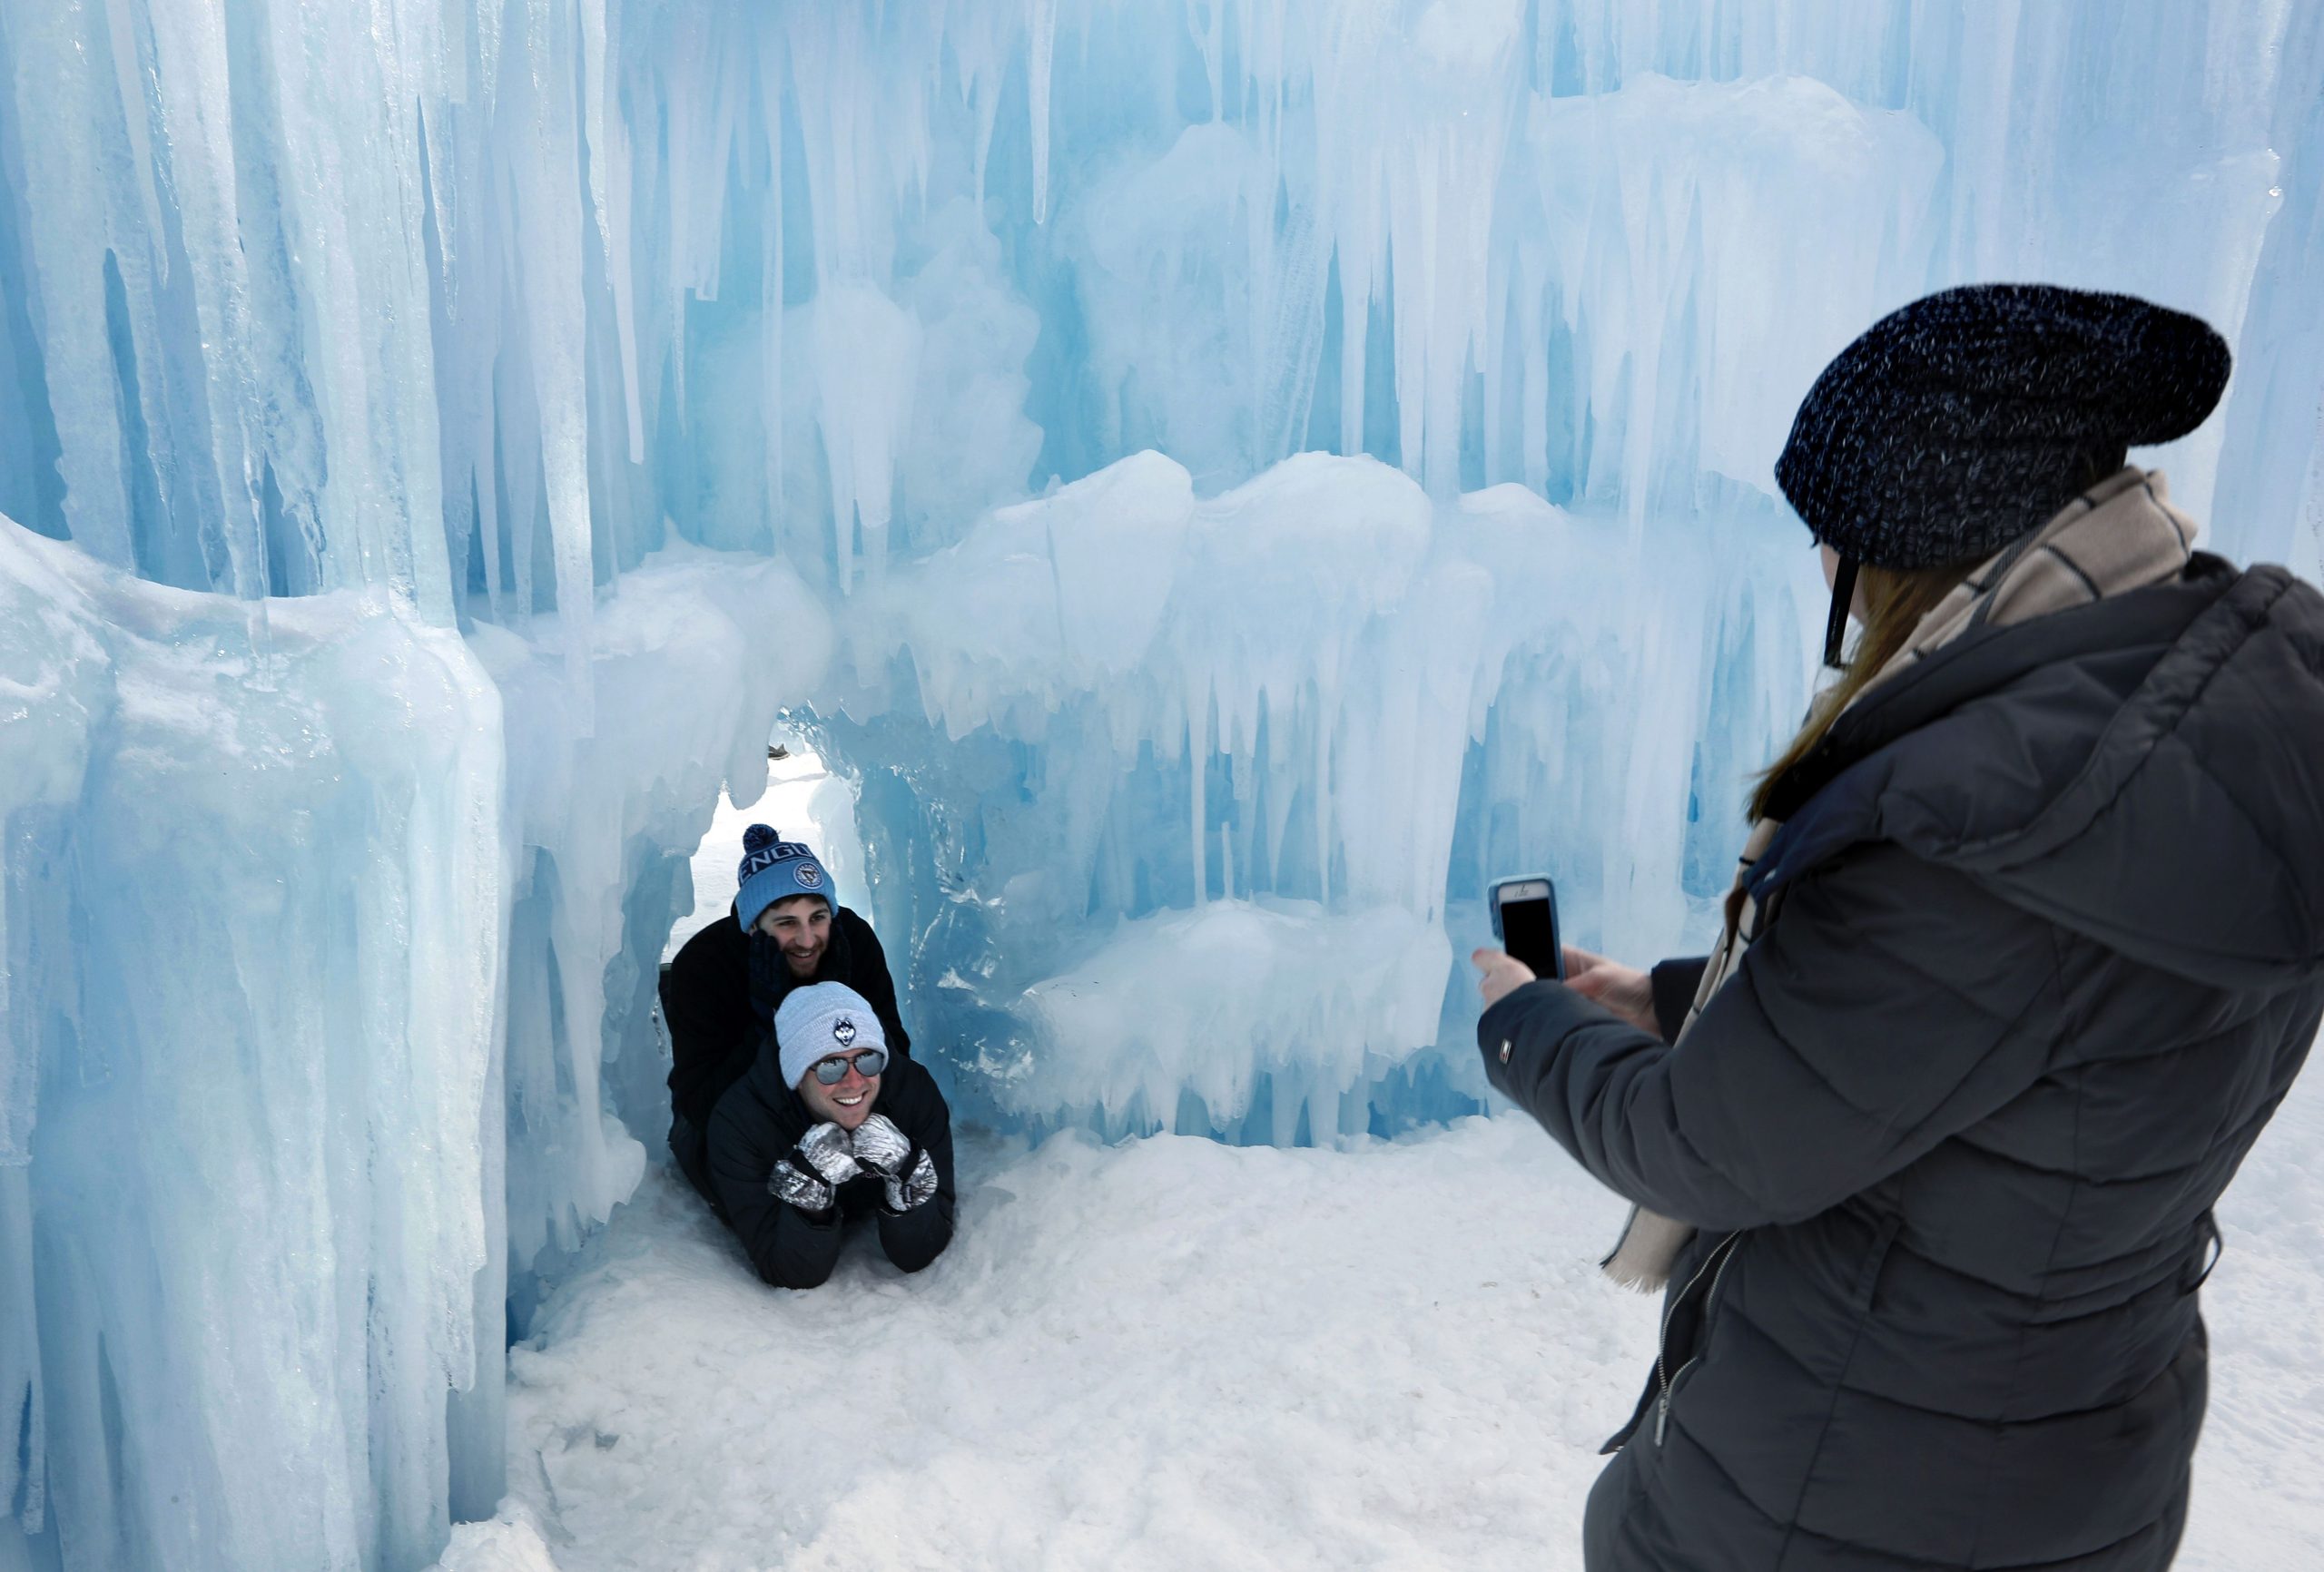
[(803, 1190), (882, 1147), (826, 1148), (915, 1188)]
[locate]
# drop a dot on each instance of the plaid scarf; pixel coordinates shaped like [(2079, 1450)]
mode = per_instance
[(2121, 534)]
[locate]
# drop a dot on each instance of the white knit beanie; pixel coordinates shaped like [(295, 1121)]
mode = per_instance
[(819, 1020)]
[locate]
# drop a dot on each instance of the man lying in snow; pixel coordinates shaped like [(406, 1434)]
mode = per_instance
[(826, 1126), (720, 994)]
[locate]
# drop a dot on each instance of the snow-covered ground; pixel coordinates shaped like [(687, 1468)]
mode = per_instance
[(1167, 1354), (1171, 1353)]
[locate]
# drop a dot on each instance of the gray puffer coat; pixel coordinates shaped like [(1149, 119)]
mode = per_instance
[(2042, 947)]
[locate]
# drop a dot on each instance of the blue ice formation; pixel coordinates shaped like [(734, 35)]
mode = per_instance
[(1224, 480)]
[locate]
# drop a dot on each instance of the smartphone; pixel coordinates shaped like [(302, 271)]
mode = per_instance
[(1525, 920)]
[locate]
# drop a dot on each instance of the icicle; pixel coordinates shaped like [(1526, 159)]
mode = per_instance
[(189, 74), (1199, 767), (556, 326), (610, 192), (1322, 788), (137, 116), (678, 171), (56, 90), (1042, 47), (774, 413)]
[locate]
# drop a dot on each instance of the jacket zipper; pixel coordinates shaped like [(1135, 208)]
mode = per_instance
[(1719, 1257)]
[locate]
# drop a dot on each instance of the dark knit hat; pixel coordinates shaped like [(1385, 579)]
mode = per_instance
[(1973, 415)]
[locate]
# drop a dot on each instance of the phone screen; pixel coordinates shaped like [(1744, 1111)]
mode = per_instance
[(1529, 928)]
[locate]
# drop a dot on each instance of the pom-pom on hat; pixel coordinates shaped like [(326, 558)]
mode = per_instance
[(775, 870), (1970, 417), (819, 1020)]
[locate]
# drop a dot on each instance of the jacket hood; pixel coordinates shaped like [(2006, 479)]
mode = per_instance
[(2147, 770)]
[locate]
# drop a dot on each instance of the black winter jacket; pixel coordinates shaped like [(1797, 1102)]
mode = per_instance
[(720, 991), (759, 1121), (2039, 954)]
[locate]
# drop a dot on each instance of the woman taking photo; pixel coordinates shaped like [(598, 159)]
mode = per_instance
[(2026, 946)]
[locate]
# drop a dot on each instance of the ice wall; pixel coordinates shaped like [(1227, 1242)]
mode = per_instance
[(821, 278), (317, 952), (1227, 480), (252, 941), (1323, 700)]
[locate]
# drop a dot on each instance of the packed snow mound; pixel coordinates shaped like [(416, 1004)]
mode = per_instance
[(510, 1542), (1217, 1005)]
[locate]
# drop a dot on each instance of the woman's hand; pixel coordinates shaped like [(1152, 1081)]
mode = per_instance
[(1621, 990), (1499, 974)]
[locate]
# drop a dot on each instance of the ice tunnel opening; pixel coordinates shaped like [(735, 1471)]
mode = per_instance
[(805, 798)]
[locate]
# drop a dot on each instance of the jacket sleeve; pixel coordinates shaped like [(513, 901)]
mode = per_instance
[(1890, 1004), (789, 1248), (919, 1235), (706, 1004), (877, 986)]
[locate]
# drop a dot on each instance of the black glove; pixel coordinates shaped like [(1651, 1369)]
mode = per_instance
[(810, 1177)]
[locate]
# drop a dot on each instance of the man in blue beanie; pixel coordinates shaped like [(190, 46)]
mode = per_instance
[(721, 992)]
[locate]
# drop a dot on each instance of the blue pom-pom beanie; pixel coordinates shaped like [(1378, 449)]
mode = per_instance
[(775, 870)]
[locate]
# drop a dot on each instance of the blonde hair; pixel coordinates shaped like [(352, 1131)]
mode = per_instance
[(1894, 602)]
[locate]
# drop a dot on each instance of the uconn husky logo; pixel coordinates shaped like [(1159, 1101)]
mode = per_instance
[(843, 1031)]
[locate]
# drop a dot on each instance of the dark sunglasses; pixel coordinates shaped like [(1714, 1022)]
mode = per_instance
[(868, 1062)]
